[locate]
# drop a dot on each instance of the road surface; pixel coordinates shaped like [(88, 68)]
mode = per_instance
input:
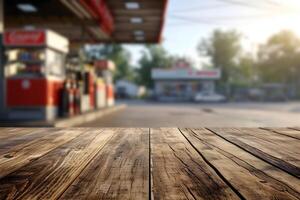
[(145, 114)]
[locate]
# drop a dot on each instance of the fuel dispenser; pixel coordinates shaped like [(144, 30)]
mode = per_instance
[(105, 87), (35, 73)]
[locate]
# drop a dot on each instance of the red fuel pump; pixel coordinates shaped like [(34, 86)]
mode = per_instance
[(35, 73)]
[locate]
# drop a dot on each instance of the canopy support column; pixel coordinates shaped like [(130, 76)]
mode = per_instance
[(2, 57)]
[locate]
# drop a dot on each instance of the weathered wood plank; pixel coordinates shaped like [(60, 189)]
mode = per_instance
[(295, 128), (286, 131), (252, 177), (6, 133), (22, 139), (6, 129), (273, 148), (14, 157), (179, 172), (50, 175), (119, 171)]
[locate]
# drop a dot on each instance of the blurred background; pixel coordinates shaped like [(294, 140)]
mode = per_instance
[(140, 63)]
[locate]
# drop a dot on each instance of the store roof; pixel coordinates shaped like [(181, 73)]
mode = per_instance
[(88, 21)]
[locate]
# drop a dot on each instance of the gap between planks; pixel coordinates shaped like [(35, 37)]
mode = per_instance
[(179, 172), (151, 197), (214, 168), (295, 134)]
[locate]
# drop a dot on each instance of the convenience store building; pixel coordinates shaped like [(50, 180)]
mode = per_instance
[(182, 84)]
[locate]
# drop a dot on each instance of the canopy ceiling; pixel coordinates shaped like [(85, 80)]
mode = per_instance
[(134, 21)]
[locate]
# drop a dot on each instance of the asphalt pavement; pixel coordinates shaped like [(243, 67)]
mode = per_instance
[(151, 114)]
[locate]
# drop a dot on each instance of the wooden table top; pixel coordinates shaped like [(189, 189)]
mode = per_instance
[(142, 163)]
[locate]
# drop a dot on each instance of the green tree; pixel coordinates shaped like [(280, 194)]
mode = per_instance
[(154, 56), (246, 71), (279, 58), (119, 55), (222, 48)]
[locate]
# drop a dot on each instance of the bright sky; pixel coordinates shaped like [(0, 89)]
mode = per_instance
[(189, 21)]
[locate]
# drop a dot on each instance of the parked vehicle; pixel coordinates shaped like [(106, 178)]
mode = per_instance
[(209, 97)]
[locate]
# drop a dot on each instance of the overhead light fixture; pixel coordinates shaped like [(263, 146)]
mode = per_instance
[(136, 20), (140, 38), (29, 27), (139, 33), (26, 7), (132, 5)]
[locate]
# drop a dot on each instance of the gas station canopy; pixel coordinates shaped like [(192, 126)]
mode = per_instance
[(91, 21)]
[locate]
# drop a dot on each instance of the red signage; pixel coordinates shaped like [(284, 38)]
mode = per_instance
[(208, 73), (205, 73), (24, 38)]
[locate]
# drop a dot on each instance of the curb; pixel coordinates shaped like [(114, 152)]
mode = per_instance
[(67, 122), (88, 117)]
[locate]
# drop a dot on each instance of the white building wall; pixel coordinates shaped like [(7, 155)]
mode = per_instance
[(131, 89)]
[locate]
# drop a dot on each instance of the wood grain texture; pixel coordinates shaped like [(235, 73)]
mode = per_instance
[(286, 131), (273, 148), (12, 132), (50, 175), (21, 136), (252, 177), (14, 157), (130, 163), (119, 171), (179, 172)]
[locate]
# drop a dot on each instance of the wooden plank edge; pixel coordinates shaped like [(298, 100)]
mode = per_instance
[(197, 138), (276, 162), (278, 132)]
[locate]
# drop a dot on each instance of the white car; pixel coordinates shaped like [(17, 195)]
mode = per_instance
[(209, 97)]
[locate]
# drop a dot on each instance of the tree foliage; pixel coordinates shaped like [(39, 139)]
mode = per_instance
[(246, 71), (279, 58), (119, 55), (154, 56), (222, 48)]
